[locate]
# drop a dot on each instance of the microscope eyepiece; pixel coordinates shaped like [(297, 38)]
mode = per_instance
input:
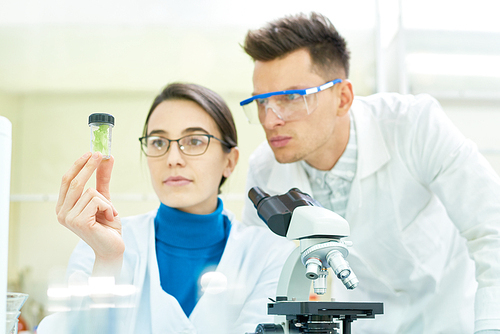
[(276, 211), (256, 195)]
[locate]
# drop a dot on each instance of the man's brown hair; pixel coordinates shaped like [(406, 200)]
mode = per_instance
[(328, 50)]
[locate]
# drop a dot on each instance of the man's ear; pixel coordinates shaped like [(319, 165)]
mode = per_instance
[(346, 97), (232, 160)]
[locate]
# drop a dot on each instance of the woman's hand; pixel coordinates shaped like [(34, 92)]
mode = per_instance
[(90, 213)]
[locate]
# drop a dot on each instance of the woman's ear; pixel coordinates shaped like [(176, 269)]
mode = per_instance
[(232, 160)]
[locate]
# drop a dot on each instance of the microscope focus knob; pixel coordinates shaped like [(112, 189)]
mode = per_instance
[(269, 328), (313, 268)]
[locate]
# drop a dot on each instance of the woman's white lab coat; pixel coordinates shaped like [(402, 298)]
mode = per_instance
[(422, 204), (234, 302)]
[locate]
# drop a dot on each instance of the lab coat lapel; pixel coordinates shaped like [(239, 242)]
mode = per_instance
[(372, 155), (372, 150), (213, 308), (138, 236), (141, 232), (163, 307)]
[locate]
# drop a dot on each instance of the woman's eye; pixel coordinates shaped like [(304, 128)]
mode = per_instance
[(292, 97), (158, 143), (195, 142)]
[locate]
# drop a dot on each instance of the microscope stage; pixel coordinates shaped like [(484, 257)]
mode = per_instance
[(339, 310)]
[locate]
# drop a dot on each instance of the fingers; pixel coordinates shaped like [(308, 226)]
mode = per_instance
[(68, 177), (92, 219), (92, 204), (75, 179), (103, 176)]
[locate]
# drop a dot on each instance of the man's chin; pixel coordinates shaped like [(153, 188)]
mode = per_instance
[(284, 158)]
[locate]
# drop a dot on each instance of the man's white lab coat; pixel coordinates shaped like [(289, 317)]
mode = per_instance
[(234, 302), (423, 203)]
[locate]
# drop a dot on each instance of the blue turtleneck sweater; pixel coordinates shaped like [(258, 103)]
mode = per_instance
[(187, 245)]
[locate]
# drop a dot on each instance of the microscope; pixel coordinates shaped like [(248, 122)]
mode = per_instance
[(297, 216)]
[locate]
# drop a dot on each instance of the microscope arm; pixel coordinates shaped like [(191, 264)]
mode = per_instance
[(292, 282)]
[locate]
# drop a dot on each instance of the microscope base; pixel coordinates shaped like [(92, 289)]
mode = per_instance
[(301, 315)]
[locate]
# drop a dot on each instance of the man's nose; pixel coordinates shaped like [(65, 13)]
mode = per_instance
[(272, 118)]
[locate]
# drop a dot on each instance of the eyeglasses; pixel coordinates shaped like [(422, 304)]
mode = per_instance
[(156, 146), (288, 105)]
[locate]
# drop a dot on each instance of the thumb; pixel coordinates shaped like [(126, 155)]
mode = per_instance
[(103, 177)]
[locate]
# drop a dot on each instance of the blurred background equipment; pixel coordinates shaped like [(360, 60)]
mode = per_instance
[(15, 302)]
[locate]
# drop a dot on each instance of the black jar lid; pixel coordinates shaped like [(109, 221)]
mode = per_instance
[(102, 118)]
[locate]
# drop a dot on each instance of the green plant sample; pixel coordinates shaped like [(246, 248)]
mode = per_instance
[(100, 142)]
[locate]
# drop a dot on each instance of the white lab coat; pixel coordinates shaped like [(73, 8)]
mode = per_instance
[(251, 262), (423, 203)]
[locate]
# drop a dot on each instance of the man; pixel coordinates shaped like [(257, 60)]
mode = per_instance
[(423, 205)]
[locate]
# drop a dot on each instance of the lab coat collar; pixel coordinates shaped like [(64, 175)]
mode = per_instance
[(372, 154), (161, 303), (139, 234), (372, 150)]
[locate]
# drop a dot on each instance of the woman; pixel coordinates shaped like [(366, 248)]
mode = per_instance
[(190, 142)]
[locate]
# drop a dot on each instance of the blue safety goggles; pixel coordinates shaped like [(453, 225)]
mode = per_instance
[(285, 111)]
